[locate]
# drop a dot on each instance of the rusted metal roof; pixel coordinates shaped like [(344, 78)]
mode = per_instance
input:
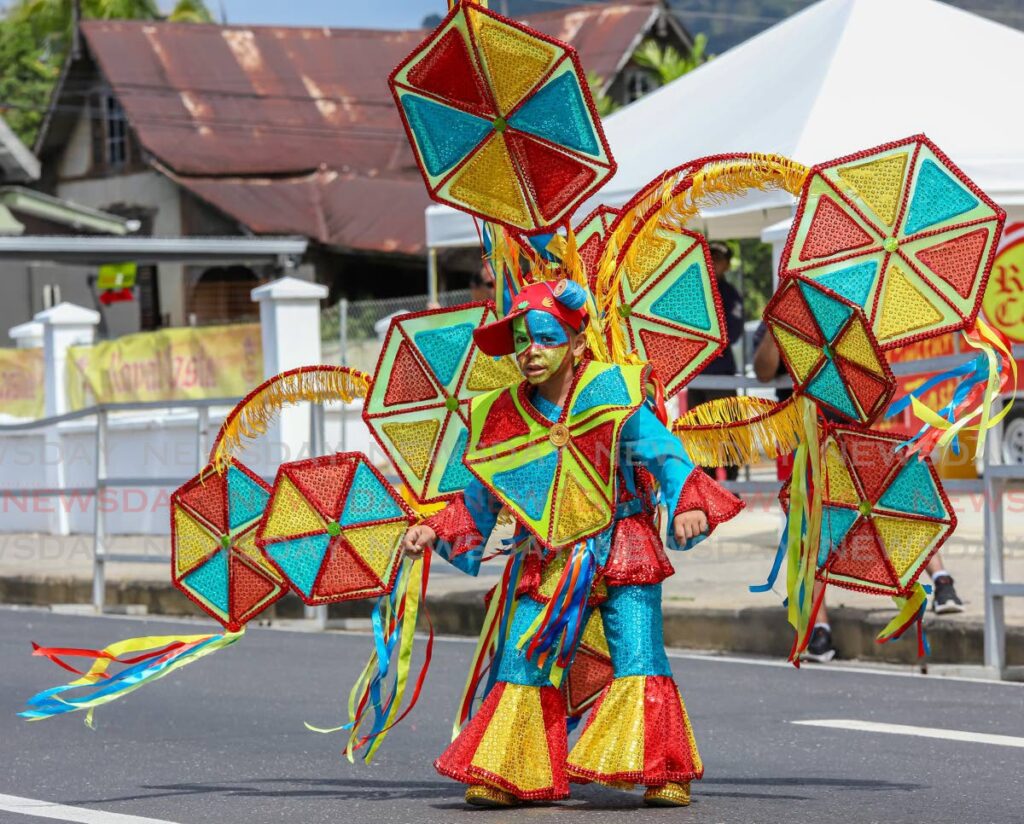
[(294, 129)]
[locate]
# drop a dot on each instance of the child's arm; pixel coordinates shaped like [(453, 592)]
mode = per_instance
[(459, 532), (696, 504)]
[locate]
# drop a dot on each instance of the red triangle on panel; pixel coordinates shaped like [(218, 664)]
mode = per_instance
[(595, 446), (868, 389), (555, 179), (590, 254), (344, 573), (872, 461), (503, 422), (588, 676), (791, 310), (447, 71), (832, 231), (322, 485), (408, 381), (208, 498), (670, 354), (957, 261), (248, 588), (861, 555)]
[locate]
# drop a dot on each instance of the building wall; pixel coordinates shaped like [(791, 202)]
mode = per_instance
[(146, 191)]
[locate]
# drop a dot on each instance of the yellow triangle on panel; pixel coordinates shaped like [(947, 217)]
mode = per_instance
[(905, 540), (593, 634), (855, 346), (904, 308), (645, 261), (878, 183), (800, 354), (515, 745), (577, 512), (414, 441), (377, 545), (488, 373), (839, 486), (290, 513), (193, 542), (516, 61), (488, 184)]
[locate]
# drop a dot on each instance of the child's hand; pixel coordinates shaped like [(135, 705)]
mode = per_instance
[(687, 525), (417, 539)]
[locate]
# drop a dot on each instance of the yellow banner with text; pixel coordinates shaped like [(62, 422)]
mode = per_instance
[(170, 364), (21, 383)]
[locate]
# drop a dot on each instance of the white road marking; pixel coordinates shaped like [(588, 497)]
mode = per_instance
[(60, 812), (920, 732)]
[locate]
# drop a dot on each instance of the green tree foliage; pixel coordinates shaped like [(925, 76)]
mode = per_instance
[(34, 39), (667, 63), (604, 103)]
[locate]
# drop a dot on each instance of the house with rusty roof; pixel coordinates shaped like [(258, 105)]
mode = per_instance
[(226, 130)]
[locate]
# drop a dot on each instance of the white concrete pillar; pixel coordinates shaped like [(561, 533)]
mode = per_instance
[(290, 324), (27, 335), (63, 326)]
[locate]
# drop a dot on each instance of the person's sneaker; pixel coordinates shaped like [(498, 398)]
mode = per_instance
[(946, 600), (820, 648)]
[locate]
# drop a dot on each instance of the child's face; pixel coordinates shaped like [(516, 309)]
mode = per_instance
[(542, 345)]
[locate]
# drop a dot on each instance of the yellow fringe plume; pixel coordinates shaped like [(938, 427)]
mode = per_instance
[(678, 199), (740, 430), (253, 416)]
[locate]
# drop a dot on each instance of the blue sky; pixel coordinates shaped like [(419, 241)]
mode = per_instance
[(390, 14)]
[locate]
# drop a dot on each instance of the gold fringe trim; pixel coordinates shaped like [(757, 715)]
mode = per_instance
[(740, 430), (678, 198), (253, 416)]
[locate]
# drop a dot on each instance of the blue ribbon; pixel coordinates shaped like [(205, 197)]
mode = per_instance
[(780, 554)]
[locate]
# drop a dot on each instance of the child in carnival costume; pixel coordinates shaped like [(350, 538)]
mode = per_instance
[(573, 553)]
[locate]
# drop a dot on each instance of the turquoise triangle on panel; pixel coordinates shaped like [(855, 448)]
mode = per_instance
[(937, 197), (456, 476), (527, 486), (827, 386), (913, 491), (246, 498), (368, 500), (829, 312), (444, 349), (607, 389), (558, 113), (853, 282), (300, 559), (210, 581), (444, 135), (684, 302), (835, 523)]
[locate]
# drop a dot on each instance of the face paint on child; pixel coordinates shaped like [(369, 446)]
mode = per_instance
[(541, 343)]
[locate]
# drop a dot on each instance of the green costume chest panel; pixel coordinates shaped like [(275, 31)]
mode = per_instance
[(558, 479)]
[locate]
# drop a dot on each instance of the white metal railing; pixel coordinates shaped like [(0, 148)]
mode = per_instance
[(995, 477)]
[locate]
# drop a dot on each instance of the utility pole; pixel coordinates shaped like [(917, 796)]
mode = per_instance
[(76, 18)]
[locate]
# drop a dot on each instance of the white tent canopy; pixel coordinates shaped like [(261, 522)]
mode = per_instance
[(841, 76)]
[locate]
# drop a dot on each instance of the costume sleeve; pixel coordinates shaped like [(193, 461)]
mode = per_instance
[(646, 441), (464, 525)]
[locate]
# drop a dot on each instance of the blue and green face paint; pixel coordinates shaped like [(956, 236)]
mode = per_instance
[(541, 345)]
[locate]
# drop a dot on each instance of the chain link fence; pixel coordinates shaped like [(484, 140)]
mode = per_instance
[(352, 332)]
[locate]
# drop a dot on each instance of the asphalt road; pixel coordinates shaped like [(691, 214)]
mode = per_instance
[(223, 741)]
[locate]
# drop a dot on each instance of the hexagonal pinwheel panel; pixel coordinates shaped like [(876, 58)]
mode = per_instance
[(901, 232), (214, 557), (827, 346), (591, 236), (884, 514), (670, 305), (501, 120), (333, 528), (418, 407)]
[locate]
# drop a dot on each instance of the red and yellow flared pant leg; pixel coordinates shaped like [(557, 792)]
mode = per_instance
[(639, 731), (517, 739)]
